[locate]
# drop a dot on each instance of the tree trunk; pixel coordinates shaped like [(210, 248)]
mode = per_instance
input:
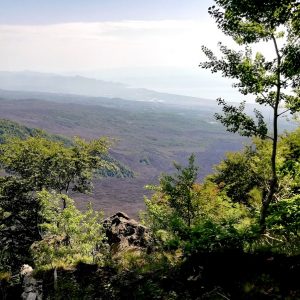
[(274, 180), (55, 279)]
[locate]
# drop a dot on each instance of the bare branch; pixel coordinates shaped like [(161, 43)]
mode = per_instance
[(282, 113), (272, 238)]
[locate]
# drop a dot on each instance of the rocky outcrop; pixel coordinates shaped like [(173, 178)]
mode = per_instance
[(32, 288), (123, 232)]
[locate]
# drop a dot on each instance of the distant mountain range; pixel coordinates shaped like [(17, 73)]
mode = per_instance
[(78, 85)]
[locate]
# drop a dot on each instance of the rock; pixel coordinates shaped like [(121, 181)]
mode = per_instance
[(32, 288), (123, 232), (31, 296), (26, 270)]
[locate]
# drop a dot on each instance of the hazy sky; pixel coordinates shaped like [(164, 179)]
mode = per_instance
[(72, 35), (107, 44), (62, 11), (157, 43)]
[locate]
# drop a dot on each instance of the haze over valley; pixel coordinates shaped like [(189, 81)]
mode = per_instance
[(149, 135), (150, 129)]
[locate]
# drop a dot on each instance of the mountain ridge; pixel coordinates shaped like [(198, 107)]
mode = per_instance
[(79, 85)]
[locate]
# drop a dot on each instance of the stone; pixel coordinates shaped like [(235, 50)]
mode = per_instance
[(31, 296), (26, 270), (32, 288), (123, 232)]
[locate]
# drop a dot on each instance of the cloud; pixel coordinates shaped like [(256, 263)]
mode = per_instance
[(83, 46)]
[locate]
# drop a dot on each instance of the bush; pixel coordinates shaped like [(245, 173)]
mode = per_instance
[(69, 236)]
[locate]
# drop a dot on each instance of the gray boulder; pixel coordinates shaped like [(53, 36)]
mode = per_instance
[(123, 232), (32, 288)]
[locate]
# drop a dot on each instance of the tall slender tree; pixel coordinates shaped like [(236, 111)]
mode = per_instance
[(272, 81), (179, 190)]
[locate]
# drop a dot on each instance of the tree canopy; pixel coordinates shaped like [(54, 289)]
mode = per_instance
[(35, 164), (272, 81), (52, 165)]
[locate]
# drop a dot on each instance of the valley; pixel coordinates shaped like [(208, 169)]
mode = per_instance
[(147, 137)]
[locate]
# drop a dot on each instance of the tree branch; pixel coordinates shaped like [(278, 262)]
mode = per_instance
[(266, 99), (278, 115), (276, 48), (272, 238), (269, 137)]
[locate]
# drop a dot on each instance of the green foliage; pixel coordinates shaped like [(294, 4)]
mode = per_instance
[(157, 215), (114, 168), (178, 189), (226, 206), (271, 81), (18, 223), (250, 21), (216, 221), (49, 164), (33, 164), (235, 175), (290, 166), (214, 205), (173, 208), (221, 224), (235, 120), (284, 218), (68, 235), (244, 176), (210, 236), (9, 129), (283, 225)]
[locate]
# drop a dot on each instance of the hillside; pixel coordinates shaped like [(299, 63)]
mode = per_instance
[(10, 129), (148, 137)]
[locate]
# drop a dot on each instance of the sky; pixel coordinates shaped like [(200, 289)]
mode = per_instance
[(39, 12), (153, 44)]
